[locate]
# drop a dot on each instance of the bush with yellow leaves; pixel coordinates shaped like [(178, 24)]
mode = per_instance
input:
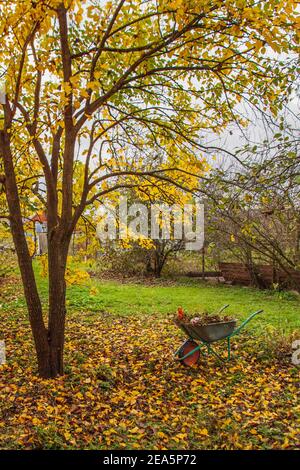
[(73, 276)]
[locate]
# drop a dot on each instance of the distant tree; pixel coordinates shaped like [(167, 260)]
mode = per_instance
[(254, 211)]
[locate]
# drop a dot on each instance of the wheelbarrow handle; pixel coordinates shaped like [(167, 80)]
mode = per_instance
[(223, 308), (245, 322)]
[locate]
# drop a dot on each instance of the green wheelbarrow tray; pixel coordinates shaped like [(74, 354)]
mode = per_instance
[(189, 352)]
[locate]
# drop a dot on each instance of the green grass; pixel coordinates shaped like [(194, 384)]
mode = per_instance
[(281, 309)]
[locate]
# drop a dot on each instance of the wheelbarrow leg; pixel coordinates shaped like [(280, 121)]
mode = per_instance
[(236, 332), (214, 353), (210, 350)]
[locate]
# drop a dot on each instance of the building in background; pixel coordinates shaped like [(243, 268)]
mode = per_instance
[(40, 230)]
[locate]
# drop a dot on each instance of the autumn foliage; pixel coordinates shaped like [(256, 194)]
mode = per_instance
[(124, 390), (105, 96)]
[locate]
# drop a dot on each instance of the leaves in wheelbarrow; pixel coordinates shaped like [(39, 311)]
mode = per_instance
[(207, 319), (204, 319)]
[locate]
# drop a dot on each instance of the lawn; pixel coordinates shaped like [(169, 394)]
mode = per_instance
[(123, 389), (281, 309)]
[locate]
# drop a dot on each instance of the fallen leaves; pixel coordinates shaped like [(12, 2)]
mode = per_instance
[(123, 389)]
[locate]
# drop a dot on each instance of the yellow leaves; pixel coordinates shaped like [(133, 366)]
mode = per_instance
[(179, 437), (67, 436), (241, 3), (92, 13), (75, 80), (203, 432), (146, 243), (273, 41), (162, 434), (79, 15), (136, 430), (94, 85), (43, 260), (258, 45), (228, 53), (89, 395), (146, 405), (88, 22), (93, 291), (109, 432), (66, 87), (59, 399), (125, 243), (83, 93), (31, 245), (61, 123), (35, 421), (73, 276), (286, 443), (176, 3), (236, 31), (97, 74)]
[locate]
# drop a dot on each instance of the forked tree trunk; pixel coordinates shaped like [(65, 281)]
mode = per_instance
[(49, 342)]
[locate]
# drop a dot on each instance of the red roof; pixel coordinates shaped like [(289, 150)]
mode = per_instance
[(41, 218)]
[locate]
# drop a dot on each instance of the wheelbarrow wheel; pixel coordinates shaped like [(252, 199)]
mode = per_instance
[(187, 347)]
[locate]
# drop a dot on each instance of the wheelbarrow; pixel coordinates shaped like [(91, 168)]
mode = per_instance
[(205, 335)]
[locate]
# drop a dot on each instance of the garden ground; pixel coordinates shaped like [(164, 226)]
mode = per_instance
[(122, 388)]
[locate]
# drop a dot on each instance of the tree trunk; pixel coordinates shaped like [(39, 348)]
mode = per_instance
[(49, 342), (203, 262), (297, 241), (149, 267), (255, 277), (39, 331), (57, 260), (159, 262)]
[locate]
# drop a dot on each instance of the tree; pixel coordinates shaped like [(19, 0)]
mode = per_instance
[(90, 80), (254, 208)]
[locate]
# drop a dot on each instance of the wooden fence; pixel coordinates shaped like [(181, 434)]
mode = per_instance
[(266, 275)]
